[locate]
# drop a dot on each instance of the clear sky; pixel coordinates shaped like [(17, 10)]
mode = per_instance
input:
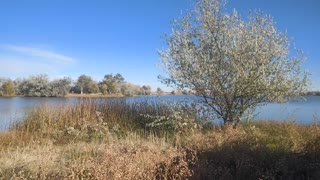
[(98, 37)]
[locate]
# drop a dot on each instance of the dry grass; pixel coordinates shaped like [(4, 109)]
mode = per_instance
[(130, 158), (110, 140), (91, 140), (263, 150)]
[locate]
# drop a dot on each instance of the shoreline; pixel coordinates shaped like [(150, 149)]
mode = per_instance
[(70, 95)]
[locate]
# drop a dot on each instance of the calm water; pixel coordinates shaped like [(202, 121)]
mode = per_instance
[(303, 111), (14, 108)]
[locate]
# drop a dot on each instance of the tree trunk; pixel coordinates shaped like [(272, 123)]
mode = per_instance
[(231, 123)]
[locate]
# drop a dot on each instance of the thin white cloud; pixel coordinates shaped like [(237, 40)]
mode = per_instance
[(14, 67), (37, 52)]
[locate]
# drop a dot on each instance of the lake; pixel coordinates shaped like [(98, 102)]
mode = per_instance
[(303, 111)]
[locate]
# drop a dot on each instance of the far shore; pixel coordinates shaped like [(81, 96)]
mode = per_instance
[(74, 95)]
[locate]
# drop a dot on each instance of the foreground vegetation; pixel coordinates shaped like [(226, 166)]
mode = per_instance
[(117, 140)]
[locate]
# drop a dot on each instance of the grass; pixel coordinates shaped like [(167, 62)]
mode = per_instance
[(111, 139)]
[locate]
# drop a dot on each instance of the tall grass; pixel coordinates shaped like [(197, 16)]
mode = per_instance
[(92, 139), (87, 119), (113, 139)]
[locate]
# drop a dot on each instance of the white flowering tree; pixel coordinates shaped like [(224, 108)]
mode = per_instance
[(233, 64)]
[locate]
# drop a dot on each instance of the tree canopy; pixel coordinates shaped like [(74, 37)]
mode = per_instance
[(85, 84), (7, 88), (112, 84), (41, 86), (233, 64)]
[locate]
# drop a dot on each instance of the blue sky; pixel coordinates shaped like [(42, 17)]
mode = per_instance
[(98, 37)]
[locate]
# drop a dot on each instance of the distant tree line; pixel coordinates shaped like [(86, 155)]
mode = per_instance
[(42, 86), (313, 93)]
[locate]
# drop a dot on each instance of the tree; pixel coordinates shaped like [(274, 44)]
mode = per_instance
[(159, 91), (40, 86), (124, 88), (119, 78), (112, 84), (60, 87), (2, 80), (146, 90), (129, 89), (17, 82), (8, 88), (85, 84), (103, 88), (234, 65), (82, 82), (35, 86)]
